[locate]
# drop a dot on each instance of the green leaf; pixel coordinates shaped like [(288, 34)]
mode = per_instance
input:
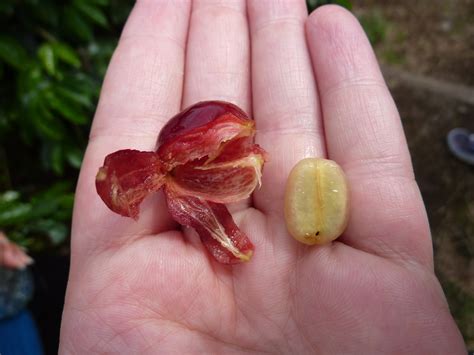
[(45, 122), (121, 10), (100, 2), (64, 212), (16, 214), (56, 231), (58, 189), (12, 53), (9, 196), (75, 97), (68, 111), (49, 127), (83, 83), (43, 207), (74, 157), (66, 54), (55, 202), (100, 53), (28, 83), (92, 12), (344, 3), (67, 201), (47, 12), (8, 200), (375, 26), (45, 203), (313, 4), (57, 159), (76, 23), (47, 57)]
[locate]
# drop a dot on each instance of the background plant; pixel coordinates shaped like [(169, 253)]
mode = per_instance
[(312, 4), (53, 55)]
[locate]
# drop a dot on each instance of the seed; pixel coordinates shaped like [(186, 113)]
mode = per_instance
[(316, 201)]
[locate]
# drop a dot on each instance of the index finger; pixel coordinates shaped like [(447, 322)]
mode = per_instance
[(142, 89)]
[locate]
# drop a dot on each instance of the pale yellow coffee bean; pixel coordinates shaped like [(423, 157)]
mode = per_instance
[(316, 201)]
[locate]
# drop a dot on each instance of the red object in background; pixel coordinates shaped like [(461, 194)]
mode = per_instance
[(205, 158)]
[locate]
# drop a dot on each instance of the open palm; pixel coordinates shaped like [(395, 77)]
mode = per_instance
[(151, 287)]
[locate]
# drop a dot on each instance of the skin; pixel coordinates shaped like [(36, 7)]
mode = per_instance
[(150, 287)]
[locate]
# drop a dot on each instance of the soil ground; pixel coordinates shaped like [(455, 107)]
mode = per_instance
[(428, 48)]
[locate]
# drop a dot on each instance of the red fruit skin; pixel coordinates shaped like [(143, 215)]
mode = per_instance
[(223, 182), (240, 148), (205, 157), (201, 131), (209, 219), (196, 116), (126, 178)]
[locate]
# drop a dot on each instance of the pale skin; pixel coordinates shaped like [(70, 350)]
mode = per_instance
[(148, 286)]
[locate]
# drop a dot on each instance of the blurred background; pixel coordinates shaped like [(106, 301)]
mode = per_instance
[(53, 56)]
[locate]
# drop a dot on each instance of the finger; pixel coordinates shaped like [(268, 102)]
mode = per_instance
[(218, 56), (142, 89), (365, 136), (285, 102)]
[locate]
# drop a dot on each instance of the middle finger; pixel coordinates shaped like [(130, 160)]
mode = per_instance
[(218, 57)]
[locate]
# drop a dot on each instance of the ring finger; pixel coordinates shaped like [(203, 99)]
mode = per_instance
[(285, 102)]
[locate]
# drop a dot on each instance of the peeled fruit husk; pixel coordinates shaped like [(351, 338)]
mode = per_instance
[(205, 157)]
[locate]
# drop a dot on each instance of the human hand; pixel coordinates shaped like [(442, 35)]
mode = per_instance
[(150, 287)]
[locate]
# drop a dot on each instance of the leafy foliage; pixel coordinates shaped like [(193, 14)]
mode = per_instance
[(53, 56), (46, 214), (313, 4), (375, 26)]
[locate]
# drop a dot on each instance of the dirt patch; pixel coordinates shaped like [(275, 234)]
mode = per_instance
[(432, 37), (447, 185)]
